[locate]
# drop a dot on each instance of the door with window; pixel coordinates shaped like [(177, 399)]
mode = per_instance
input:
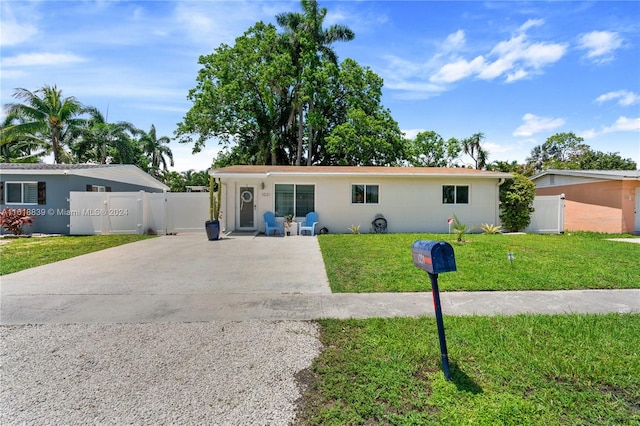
[(247, 207)]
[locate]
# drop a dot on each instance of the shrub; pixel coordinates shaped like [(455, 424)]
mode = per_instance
[(13, 220), (460, 228), (516, 202), (354, 229), (490, 229)]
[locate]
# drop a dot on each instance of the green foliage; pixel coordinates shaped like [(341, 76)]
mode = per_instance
[(526, 369), (383, 263), (597, 160), (472, 146), (429, 149), (459, 228), (14, 220), (516, 202), (46, 118), (490, 229), (566, 151), (276, 98)]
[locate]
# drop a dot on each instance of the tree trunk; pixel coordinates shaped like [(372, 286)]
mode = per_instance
[(55, 145), (310, 151), (300, 133)]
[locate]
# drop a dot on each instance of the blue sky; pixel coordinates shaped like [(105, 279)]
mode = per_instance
[(518, 72)]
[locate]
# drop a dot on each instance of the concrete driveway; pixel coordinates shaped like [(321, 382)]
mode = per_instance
[(186, 278), (163, 278)]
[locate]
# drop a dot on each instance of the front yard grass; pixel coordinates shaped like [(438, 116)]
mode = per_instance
[(383, 263), (23, 253), (527, 369)]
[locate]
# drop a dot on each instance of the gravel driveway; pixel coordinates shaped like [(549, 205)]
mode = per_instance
[(82, 364), (216, 373)]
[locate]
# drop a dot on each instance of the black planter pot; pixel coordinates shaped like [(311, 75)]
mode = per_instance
[(213, 229)]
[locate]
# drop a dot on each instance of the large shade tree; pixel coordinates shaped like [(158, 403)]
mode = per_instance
[(429, 149), (567, 151), (47, 118), (269, 92)]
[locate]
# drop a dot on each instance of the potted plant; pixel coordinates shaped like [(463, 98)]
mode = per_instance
[(288, 222), (212, 226)]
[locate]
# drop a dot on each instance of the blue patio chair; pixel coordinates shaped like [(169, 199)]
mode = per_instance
[(310, 223), (271, 224)]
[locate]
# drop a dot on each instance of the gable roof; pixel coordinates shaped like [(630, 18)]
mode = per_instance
[(369, 171), (126, 173), (595, 174)]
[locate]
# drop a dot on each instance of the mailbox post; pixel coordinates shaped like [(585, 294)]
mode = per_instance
[(435, 257)]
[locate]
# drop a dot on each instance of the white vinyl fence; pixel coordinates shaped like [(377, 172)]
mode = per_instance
[(548, 217), (137, 212)]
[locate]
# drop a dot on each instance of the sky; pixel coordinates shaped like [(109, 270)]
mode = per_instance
[(518, 72)]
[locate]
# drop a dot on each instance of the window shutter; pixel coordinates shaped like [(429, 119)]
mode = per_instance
[(89, 188), (1, 192), (42, 192), (108, 189)]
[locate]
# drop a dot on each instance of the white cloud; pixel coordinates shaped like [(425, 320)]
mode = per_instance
[(513, 59), (624, 97), (534, 124), (624, 124), (454, 41), (45, 58), (600, 45), (15, 31), (531, 23), (588, 134), (458, 70)]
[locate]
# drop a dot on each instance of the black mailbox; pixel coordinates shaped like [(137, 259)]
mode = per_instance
[(433, 257)]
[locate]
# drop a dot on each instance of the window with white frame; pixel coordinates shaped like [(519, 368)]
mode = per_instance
[(21, 192), (294, 199), (455, 194), (364, 194)]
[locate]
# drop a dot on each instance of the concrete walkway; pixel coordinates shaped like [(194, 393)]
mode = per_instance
[(186, 278)]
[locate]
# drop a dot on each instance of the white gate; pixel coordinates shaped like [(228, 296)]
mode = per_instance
[(105, 213), (186, 211), (548, 217), (136, 212)]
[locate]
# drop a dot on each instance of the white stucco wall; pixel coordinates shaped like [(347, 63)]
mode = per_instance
[(409, 204)]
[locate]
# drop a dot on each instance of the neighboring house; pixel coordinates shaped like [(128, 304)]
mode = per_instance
[(44, 189), (411, 199), (595, 200)]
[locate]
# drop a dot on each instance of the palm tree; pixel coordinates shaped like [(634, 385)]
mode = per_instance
[(101, 141), (155, 149), (15, 147), (46, 117), (473, 148), (309, 44)]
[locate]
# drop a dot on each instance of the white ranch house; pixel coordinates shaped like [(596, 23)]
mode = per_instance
[(411, 199)]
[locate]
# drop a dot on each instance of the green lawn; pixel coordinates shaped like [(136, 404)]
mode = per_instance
[(383, 263), (23, 253), (522, 370)]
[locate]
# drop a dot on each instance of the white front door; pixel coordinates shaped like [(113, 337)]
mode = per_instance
[(247, 207)]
